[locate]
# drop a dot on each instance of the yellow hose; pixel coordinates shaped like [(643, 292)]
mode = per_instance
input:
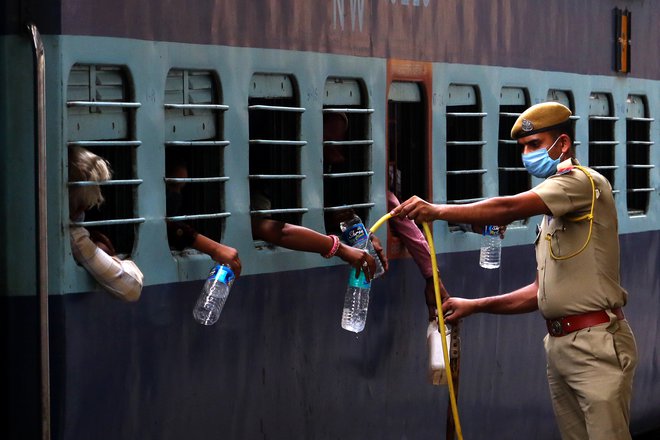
[(441, 319), (380, 222), (441, 327)]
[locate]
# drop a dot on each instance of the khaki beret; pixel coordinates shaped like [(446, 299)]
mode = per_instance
[(540, 117)]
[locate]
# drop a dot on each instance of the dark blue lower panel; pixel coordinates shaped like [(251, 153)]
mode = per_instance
[(278, 366)]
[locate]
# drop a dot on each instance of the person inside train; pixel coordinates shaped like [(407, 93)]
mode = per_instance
[(590, 348), (181, 235), (413, 240), (304, 239), (93, 250)]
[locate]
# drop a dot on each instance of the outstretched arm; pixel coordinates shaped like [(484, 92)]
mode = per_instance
[(219, 252), (493, 211), (299, 238), (522, 300), (122, 278)]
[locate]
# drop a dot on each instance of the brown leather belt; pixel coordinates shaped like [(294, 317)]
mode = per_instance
[(569, 324)]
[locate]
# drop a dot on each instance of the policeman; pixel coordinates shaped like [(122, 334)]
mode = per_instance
[(590, 348)]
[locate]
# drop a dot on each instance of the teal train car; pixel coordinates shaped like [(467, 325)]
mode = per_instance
[(430, 89)]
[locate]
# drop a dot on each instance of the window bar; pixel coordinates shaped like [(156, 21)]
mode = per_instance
[(196, 179), (219, 107), (349, 143), (279, 211), (467, 115), (105, 182), (277, 142), (103, 104), (466, 143), (348, 110), (277, 176), (276, 108), (343, 207), (178, 218), (196, 143), (351, 174), (120, 221), (104, 143)]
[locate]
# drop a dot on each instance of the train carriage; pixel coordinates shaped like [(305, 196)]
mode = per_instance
[(430, 89)]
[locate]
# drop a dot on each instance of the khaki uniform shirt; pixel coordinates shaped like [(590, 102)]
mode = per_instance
[(588, 281)]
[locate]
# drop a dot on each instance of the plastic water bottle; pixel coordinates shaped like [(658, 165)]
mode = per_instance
[(491, 248), (356, 303), (356, 235), (214, 294), (437, 372)]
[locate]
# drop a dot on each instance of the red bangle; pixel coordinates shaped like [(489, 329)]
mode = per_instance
[(333, 249)]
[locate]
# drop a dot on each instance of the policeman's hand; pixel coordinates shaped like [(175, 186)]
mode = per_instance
[(378, 247), (454, 309), (416, 209), (359, 259)]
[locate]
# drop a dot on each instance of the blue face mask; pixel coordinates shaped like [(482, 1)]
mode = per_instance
[(539, 164)]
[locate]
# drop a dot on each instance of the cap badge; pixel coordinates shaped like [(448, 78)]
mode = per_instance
[(527, 125)]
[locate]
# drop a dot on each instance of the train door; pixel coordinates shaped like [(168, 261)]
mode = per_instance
[(408, 136)]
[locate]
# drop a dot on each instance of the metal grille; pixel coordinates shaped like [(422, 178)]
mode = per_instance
[(100, 118), (638, 155), (194, 150)]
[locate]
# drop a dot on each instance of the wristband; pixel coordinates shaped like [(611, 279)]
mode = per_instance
[(334, 248)]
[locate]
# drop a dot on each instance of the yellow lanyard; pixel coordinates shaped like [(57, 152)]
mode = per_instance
[(589, 216)]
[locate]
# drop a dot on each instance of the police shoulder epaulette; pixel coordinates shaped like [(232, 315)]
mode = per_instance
[(564, 170)]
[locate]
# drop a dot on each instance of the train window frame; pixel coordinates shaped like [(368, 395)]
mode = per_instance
[(513, 177), (602, 137), (275, 116), (566, 98), (464, 118), (638, 155), (194, 138), (348, 96), (101, 117), (411, 94)]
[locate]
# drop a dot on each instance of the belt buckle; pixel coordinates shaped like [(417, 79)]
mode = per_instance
[(556, 328)]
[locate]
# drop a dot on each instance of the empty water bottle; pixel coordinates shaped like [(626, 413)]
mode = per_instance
[(214, 294), (491, 248), (356, 235), (356, 303)]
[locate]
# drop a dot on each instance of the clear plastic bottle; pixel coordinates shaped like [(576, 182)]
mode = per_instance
[(491, 248), (356, 303), (214, 295), (356, 235)]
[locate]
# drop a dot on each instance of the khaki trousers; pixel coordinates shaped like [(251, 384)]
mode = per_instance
[(590, 374)]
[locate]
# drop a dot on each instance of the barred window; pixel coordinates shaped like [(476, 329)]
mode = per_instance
[(464, 145), (101, 118), (347, 148), (602, 139), (194, 147), (638, 155), (512, 176), (565, 97), (274, 130)]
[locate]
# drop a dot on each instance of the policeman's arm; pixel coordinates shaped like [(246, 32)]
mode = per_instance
[(493, 211), (522, 300)]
